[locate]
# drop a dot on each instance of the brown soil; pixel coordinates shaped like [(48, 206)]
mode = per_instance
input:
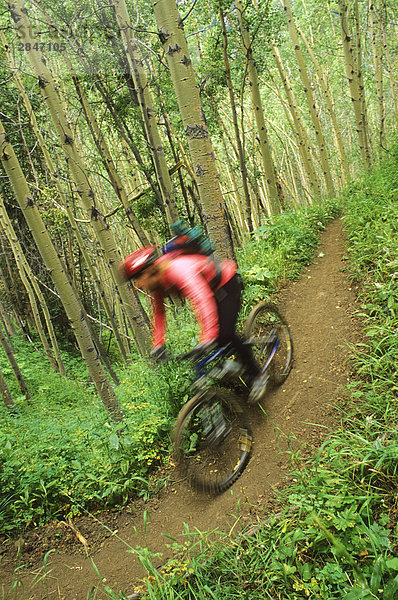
[(320, 309)]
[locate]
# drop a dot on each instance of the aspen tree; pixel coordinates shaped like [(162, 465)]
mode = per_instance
[(323, 82), (63, 285), (273, 193), (107, 159), (298, 128), (148, 111), (351, 69), (234, 200), (237, 203), (99, 139), (5, 319), (182, 162), (392, 72), (171, 34), (295, 153), (242, 162), (171, 135), (126, 135), (6, 395), (32, 289), (13, 299), (319, 136), (376, 28), (14, 365), (78, 171), (358, 58)]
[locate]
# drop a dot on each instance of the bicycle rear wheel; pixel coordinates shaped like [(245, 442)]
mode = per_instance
[(212, 440), (269, 335)]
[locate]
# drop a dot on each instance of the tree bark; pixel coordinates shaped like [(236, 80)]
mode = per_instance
[(49, 165), (351, 69), (135, 62), (32, 288), (14, 365), (332, 113), (299, 131), (171, 34), (6, 395), (376, 28), (242, 162)]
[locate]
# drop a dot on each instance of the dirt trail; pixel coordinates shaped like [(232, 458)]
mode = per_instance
[(320, 309)]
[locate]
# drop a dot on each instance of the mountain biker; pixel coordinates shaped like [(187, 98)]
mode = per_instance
[(214, 291)]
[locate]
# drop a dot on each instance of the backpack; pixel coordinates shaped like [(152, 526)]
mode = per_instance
[(192, 240), (188, 240)]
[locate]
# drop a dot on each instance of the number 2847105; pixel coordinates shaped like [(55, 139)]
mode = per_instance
[(42, 46)]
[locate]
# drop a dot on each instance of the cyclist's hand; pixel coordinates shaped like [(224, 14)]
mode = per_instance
[(160, 354), (200, 350)]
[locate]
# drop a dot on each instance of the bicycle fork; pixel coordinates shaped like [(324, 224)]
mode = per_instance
[(273, 340)]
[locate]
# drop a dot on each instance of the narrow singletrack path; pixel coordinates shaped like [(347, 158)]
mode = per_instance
[(320, 309)]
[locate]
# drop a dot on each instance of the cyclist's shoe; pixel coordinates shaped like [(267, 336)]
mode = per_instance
[(160, 354), (200, 351), (259, 388)]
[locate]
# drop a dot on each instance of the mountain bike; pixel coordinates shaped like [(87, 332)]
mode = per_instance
[(212, 437)]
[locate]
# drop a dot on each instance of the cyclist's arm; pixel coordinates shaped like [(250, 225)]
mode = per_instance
[(159, 322)]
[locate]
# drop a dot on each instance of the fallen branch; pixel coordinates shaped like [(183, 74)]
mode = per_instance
[(77, 533)]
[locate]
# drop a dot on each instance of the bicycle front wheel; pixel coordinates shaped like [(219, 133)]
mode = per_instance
[(269, 335), (212, 440)]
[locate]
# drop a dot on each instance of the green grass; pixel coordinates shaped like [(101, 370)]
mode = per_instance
[(281, 248)]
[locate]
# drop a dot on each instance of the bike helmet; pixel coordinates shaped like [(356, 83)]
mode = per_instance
[(133, 265)]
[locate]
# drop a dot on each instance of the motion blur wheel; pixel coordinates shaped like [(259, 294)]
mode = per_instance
[(212, 440), (269, 335)]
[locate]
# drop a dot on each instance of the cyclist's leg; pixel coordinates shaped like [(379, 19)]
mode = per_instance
[(228, 299)]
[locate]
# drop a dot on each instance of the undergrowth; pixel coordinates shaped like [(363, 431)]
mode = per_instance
[(280, 248), (60, 454), (337, 534)]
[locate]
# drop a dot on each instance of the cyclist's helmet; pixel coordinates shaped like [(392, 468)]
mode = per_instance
[(133, 265)]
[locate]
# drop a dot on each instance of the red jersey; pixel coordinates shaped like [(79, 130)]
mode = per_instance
[(190, 275)]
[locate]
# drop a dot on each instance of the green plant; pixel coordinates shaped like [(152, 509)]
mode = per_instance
[(281, 247)]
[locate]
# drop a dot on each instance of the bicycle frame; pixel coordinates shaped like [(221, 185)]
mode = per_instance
[(200, 367), (213, 438), (202, 374)]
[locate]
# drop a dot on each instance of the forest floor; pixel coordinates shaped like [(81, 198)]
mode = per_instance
[(321, 310)]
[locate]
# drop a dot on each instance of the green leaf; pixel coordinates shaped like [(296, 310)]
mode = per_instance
[(392, 563), (124, 466), (391, 589), (358, 593), (306, 573), (289, 569), (114, 441), (375, 578), (379, 536)]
